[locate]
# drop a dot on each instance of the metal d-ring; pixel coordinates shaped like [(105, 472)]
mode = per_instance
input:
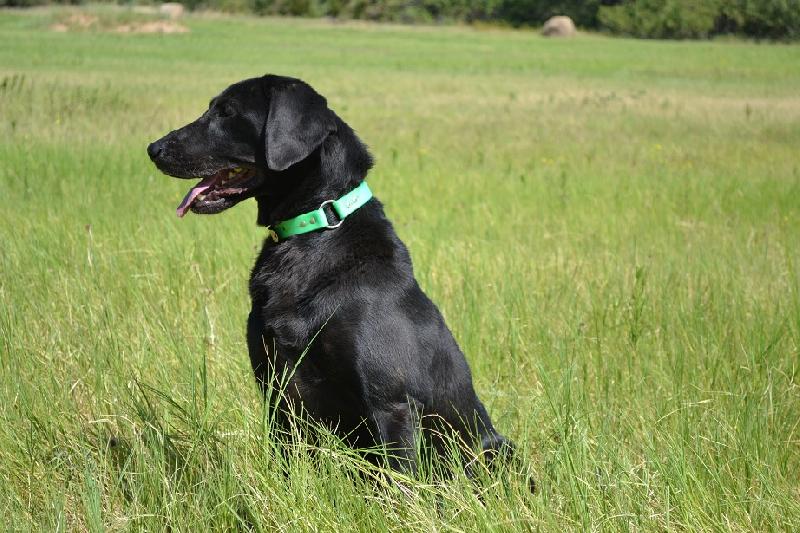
[(330, 202)]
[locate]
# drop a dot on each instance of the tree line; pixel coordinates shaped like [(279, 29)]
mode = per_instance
[(679, 19)]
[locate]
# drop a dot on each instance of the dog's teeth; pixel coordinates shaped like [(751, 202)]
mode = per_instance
[(201, 197)]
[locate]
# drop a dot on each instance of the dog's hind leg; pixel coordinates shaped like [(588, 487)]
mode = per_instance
[(497, 450), (498, 453)]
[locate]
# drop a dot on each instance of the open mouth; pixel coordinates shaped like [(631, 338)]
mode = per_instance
[(219, 191)]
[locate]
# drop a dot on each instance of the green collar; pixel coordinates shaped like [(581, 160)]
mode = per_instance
[(317, 219)]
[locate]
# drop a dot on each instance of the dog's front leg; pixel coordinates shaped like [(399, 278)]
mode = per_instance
[(258, 345), (396, 427)]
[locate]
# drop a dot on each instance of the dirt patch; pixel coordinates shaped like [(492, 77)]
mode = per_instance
[(122, 22), (159, 26), (79, 21)]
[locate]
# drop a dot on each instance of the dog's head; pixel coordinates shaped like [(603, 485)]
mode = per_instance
[(252, 130)]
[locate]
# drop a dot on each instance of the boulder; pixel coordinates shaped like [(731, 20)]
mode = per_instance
[(560, 26)]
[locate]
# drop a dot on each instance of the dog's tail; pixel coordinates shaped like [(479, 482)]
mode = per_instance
[(500, 453)]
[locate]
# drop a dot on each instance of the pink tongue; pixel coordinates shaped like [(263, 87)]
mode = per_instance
[(192, 194)]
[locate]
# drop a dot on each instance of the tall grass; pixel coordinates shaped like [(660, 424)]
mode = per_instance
[(610, 228)]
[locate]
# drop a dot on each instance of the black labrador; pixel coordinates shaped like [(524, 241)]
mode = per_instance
[(337, 310)]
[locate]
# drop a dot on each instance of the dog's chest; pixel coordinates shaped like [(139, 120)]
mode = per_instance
[(294, 288)]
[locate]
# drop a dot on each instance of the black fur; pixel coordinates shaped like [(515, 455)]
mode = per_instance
[(379, 361)]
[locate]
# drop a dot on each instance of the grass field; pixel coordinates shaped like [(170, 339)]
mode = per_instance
[(611, 228)]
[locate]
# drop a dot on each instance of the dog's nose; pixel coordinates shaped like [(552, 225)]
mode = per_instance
[(154, 149)]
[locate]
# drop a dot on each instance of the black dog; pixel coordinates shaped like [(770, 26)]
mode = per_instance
[(338, 310)]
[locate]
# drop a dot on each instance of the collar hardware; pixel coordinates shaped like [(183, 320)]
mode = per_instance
[(325, 215), (318, 219)]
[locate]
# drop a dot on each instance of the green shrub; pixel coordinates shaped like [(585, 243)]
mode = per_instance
[(776, 19), (31, 3), (660, 18)]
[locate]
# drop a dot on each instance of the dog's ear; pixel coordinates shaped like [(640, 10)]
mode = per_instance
[(298, 121)]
